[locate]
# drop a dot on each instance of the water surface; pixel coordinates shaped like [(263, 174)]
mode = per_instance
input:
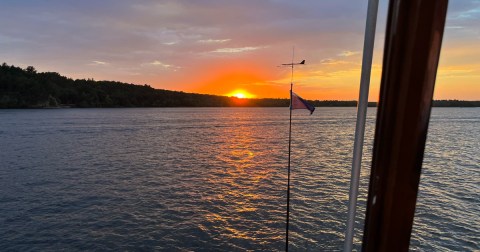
[(214, 179)]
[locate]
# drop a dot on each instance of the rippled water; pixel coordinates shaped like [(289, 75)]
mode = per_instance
[(209, 179)]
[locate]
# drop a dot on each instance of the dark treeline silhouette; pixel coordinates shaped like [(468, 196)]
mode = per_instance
[(455, 103), (26, 88)]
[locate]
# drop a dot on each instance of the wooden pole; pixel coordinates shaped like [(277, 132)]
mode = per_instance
[(412, 48)]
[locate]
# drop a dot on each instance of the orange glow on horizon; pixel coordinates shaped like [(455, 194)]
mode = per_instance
[(336, 79), (244, 79), (240, 78)]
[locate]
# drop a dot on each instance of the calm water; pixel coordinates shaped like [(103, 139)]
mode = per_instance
[(214, 179)]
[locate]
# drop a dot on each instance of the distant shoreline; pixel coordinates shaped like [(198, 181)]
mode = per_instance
[(317, 106), (61, 107), (25, 88)]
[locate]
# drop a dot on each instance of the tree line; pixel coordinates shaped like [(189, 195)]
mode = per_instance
[(27, 88)]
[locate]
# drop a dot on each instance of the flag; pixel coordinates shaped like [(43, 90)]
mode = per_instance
[(297, 102)]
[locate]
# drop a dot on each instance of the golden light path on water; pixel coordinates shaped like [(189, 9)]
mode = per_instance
[(244, 155)]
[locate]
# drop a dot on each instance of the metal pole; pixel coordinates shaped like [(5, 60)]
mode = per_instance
[(361, 118), (288, 183), (289, 146)]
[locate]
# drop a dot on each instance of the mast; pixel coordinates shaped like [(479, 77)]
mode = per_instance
[(412, 49), (289, 152), (289, 147)]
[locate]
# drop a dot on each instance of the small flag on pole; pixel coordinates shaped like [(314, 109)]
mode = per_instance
[(298, 102)]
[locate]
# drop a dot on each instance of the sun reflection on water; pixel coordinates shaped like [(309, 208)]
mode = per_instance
[(238, 186)]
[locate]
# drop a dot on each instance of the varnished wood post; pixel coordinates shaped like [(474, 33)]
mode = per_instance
[(412, 48)]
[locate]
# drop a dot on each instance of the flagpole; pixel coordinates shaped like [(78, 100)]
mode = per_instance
[(288, 180), (311, 108), (361, 118), (289, 152)]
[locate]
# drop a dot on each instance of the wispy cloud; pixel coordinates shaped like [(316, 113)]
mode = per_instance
[(236, 49), (333, 62), (99, 63), (469, 14), (348, 53), (213, 41), (162, 65), (457, 71), (454, 27)]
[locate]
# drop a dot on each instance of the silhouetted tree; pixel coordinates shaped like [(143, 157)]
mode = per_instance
[(31, 70)]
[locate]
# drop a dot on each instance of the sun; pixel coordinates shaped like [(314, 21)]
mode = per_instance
[(240, 94)]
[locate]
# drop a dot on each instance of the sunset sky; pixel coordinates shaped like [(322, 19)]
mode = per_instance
[(221, 47)]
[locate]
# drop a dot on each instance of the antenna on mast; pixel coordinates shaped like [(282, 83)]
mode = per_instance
[(293, 64), (289, 145)]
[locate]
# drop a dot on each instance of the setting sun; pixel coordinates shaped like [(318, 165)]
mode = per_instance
[(240, 94)]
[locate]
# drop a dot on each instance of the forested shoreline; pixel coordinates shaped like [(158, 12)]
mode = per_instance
[(26, 88)]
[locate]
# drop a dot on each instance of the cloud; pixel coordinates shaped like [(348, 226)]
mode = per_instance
[(454, 27), (236, 49), (99, 63), (212, 41), (333, 62), (457, 71), (348, 53), (469, 14), (160, 64)]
